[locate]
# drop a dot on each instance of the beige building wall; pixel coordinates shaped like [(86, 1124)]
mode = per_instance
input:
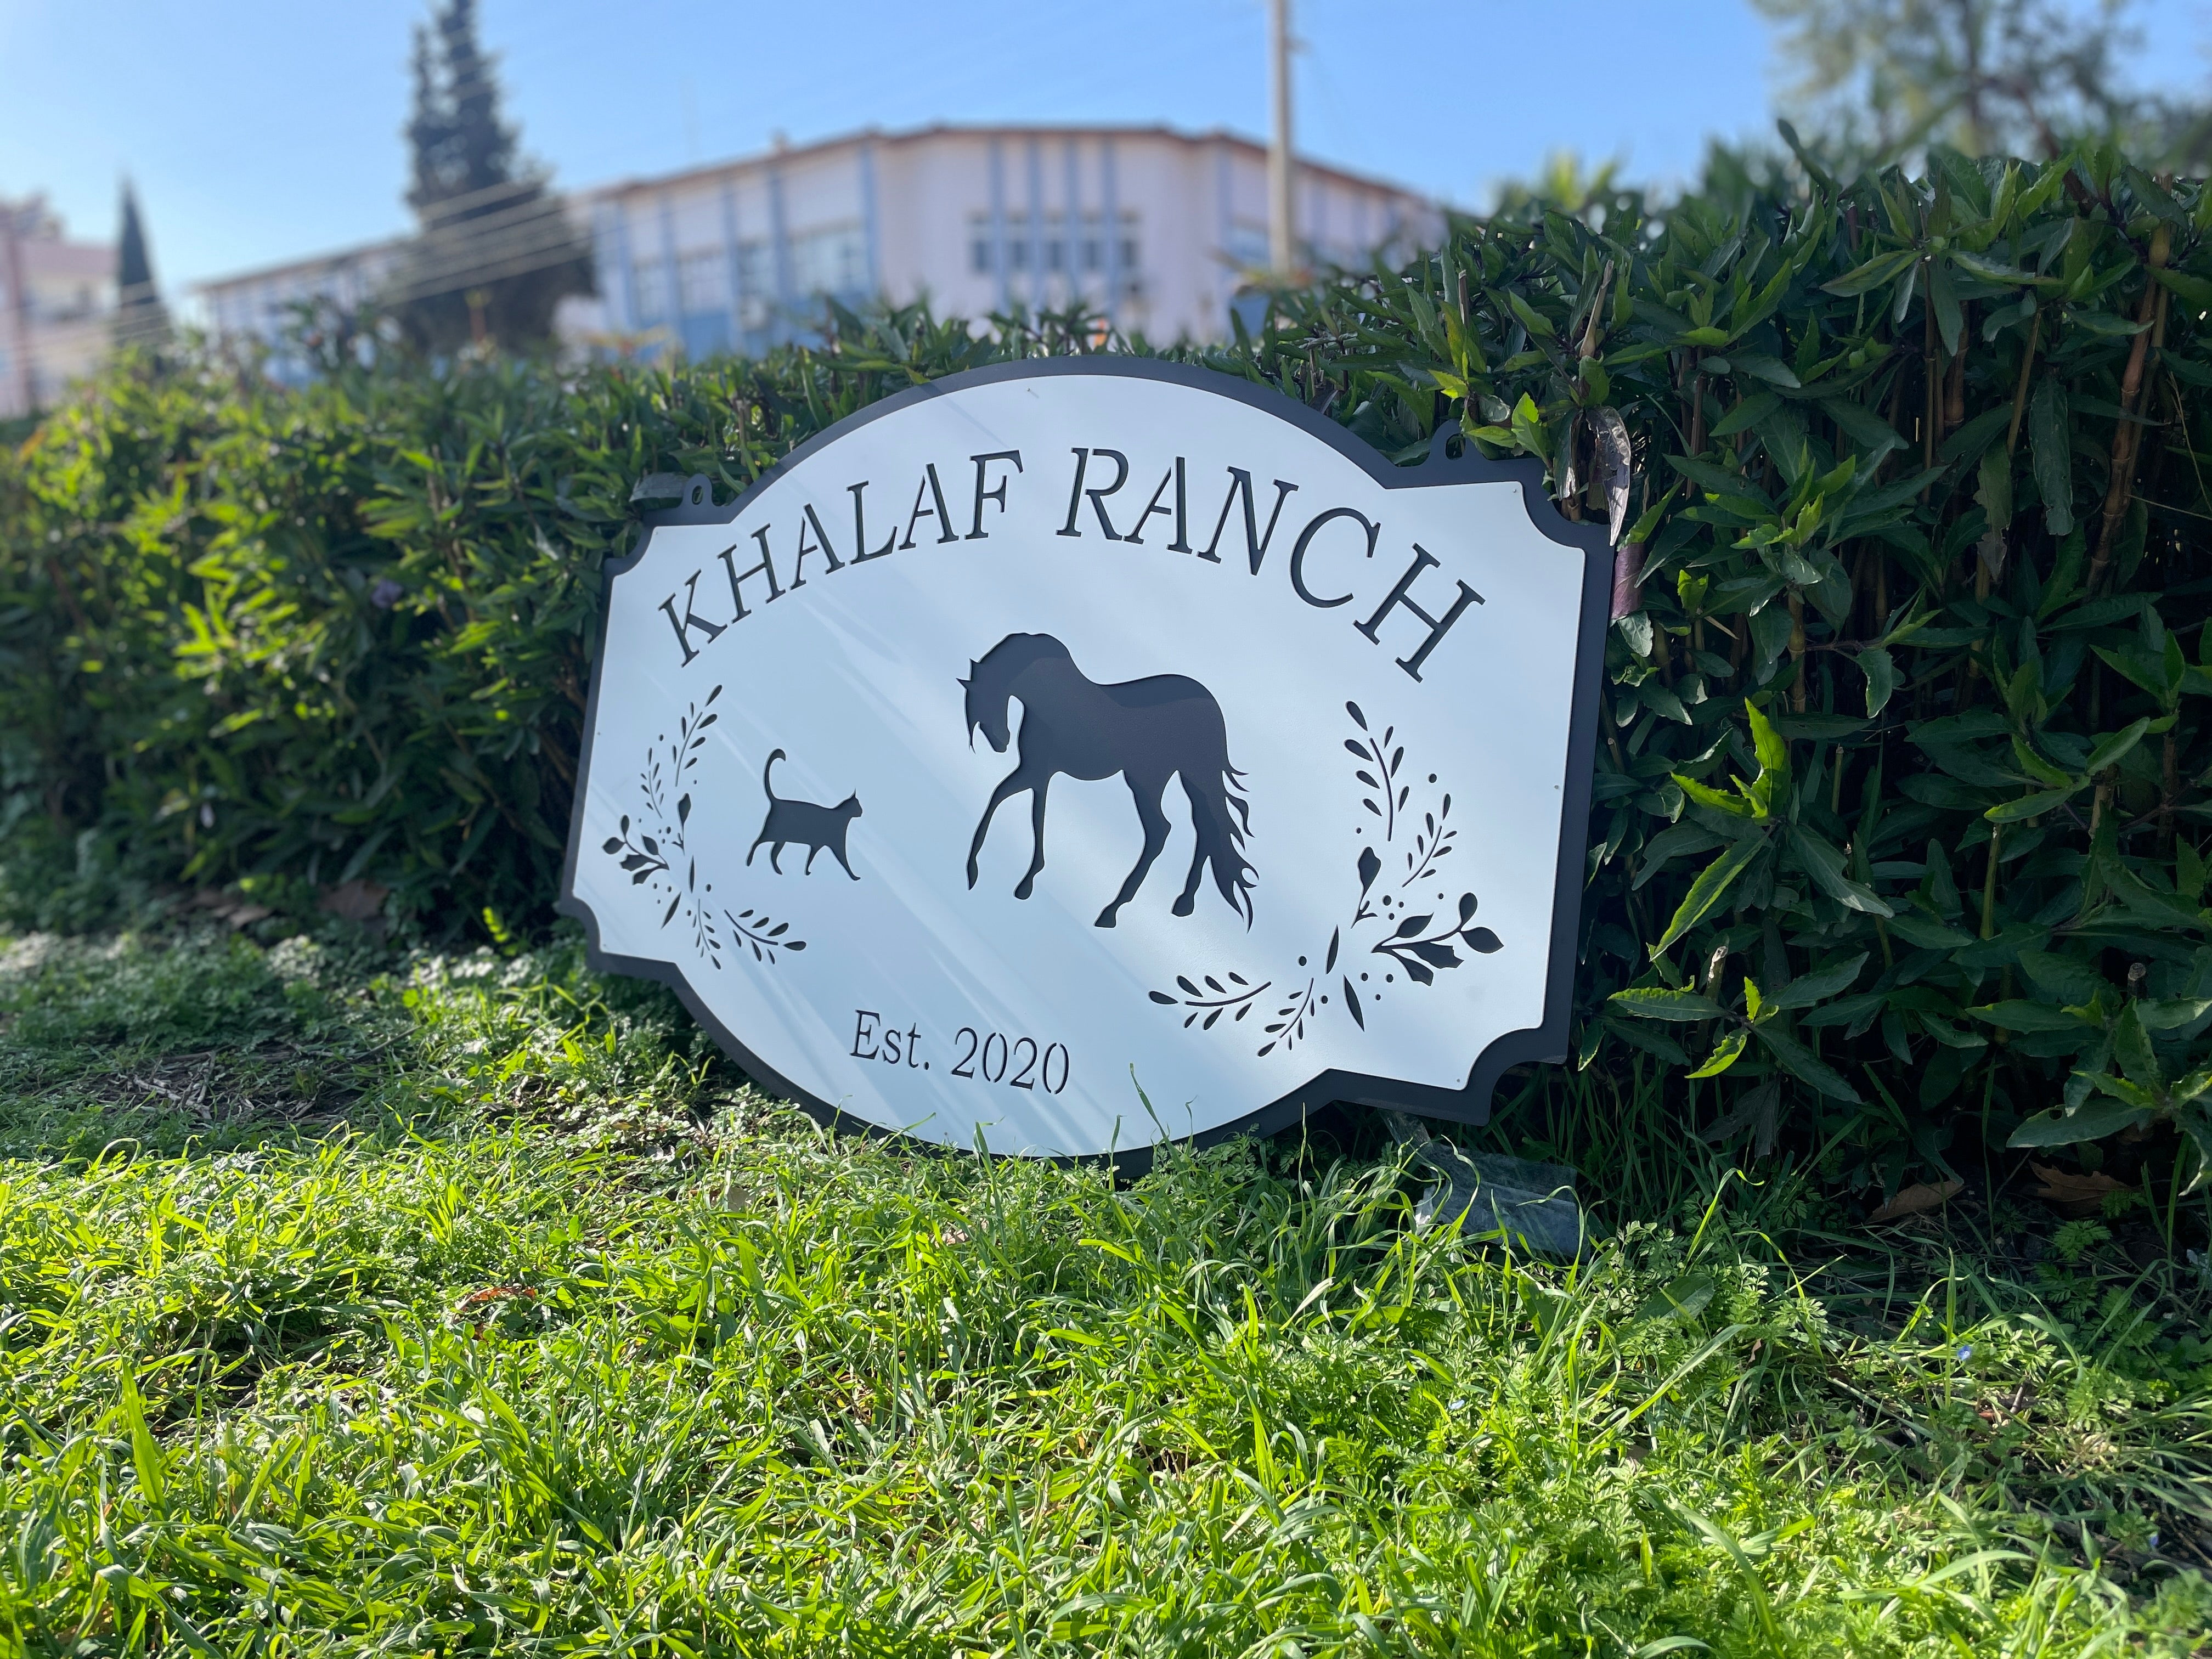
[(54, 329)]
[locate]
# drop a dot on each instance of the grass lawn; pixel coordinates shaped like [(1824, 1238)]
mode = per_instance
[(357, 1303)]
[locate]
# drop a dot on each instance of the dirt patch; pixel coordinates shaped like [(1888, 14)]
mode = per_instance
[(272, 1082)]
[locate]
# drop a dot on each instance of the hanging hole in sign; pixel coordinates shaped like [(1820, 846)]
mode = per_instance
[(698, 493), (1455, 447)]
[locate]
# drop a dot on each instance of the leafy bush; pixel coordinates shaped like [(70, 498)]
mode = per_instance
[(1902, 772)]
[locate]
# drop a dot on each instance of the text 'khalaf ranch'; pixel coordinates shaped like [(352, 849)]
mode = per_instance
[(1097, 479)]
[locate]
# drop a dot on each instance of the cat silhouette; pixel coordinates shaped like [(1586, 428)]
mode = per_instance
[(790, 821)]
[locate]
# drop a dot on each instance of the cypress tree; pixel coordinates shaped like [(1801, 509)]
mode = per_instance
[(140, 317), (496, 252)]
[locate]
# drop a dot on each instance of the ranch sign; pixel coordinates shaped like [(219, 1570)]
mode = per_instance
[(1074, 755)]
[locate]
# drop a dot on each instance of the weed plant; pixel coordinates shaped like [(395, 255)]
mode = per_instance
[(470, 1303)]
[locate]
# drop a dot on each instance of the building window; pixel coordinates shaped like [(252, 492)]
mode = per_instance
[(649, 290), (830, 261), (701, 282), (755, 273), (1059, 253), (1247, 244)]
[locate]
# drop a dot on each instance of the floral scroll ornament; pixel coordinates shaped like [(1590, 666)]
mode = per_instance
[(652, 859), (1419, 943)]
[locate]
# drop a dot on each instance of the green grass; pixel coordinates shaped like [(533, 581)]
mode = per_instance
[(354, 1305)]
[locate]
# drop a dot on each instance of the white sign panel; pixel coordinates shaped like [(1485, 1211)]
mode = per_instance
[(1071, 755)]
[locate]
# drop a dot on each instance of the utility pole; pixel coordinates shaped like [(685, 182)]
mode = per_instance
[(19, 306), (1282, 239)]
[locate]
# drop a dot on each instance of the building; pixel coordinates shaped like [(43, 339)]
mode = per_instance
[(1157, 230), (264, 305), (57, 298)]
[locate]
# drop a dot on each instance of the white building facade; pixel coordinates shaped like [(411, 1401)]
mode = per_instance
[(1156, 229), (264, 305)]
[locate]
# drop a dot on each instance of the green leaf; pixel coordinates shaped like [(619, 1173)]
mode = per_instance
[(1845, 1010), (1943, 294), (1747, 413), (146, 1453), (1706, 795), (1533, 319), (1993, 488), (2132, 1048), (2194, 292), (1656, 1002), (1659, 700), (1807, 1067), (2070, 979), (1771, 370), (1872, 503), (1685, 1297), (2034, 806), (2093, 1121), (1651, 1041), (1712, 885), (1871, 275), (2196, 1123), (1968, 442), (2031, 762), (2123, 1089), (1990, 270), (1818, 987), (1642, 529), (1724, 1055), (2102, 322), (1767, 743), (2112, 748), (2187, 370), (1929, 934), (1714, 480), (1861, 425), (2020, 1015), (2195, 1086), (2171, 1013), (1900, 297), (1881, 671), (1529, 429), (1824, 861), (1769, 634)]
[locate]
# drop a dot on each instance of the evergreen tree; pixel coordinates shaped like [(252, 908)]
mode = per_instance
[(140, 317), (496, 252)]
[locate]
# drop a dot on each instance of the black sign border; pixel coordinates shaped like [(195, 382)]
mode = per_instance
[(1544, 1043)]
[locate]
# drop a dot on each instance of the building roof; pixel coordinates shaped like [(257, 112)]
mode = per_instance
[(358, 253), (789, 153)]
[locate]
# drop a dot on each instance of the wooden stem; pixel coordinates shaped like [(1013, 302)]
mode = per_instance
[(2019, 392), (1931, 389), (1797, 649), (2169, 792), (1989, 884), (2126, 432)]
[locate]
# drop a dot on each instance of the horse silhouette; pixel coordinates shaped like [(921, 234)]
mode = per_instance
[(1149, 731)]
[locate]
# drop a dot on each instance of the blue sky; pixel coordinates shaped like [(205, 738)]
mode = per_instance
[(259, 130)]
